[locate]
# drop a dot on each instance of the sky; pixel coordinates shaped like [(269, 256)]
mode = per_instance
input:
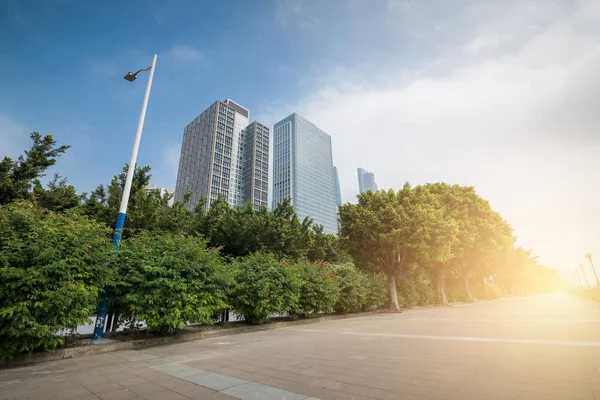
[(500, 95)]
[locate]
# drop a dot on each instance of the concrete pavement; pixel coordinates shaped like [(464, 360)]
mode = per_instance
[(545, 347)]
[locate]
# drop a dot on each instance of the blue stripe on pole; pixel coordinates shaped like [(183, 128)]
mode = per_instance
[(119, 230), (103, 307)]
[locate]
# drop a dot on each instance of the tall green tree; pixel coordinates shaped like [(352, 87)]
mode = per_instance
[(147, 210), (17, 176), (58, 196), (481, 231), (389, 231)]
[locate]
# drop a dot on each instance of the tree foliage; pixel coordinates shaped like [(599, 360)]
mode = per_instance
[(319, 290), (388, 231), (264, 285), (16, 176), (167, 280), (52, 268)]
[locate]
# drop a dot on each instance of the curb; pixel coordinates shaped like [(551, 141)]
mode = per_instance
[(187, 335)]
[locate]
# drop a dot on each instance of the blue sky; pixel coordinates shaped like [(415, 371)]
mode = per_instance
[(500, 95)]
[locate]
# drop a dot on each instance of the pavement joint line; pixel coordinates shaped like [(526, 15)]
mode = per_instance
[(234, 387), (593, 321), (477, 339)]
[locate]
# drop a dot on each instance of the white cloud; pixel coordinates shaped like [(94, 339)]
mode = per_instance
[(165, 175), (187, 54), (13, 136), (511, 110)]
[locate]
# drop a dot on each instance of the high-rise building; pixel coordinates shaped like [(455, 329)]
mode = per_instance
[(256, 165), (223, 156), (303, 171), (338, 191), (366, 181)]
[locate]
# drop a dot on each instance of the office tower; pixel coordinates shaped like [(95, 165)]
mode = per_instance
[(223, 156), (256, 165), (366, 181), (303, 171), (338, 191)]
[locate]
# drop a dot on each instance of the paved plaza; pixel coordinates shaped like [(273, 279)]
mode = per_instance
[(545, 347)]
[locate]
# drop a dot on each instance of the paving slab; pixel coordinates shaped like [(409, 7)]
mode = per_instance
[(544, 347)]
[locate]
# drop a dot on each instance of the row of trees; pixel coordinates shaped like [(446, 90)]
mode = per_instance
[(422, 243), (443, 230)]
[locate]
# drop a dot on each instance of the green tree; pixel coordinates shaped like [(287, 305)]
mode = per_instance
[(16, 176), (59, 196), (53, 266), (480, 232), (388, 231), (243, 231), (147, 210)]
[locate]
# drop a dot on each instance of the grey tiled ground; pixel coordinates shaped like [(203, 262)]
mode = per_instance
[(545, 347)]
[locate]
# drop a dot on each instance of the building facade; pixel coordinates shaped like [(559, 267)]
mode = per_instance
[(366, 181), (303, 171), (256, 165), (338, 191), (217, 152)]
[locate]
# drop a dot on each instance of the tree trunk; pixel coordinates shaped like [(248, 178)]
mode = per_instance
[(394, 306), (468, 290), (441, 287), (595, 274)]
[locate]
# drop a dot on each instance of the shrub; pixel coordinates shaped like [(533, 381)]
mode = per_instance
[(493, 291), (264, 285), (52, 268), (425, 292), (486, 291), (413, 291), (353, 287), (167, 280), (377, 292), (319, 290)]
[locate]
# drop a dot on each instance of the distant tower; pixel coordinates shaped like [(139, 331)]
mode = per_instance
[(221, 155), (366, 181), (338, 191), (303, 171)]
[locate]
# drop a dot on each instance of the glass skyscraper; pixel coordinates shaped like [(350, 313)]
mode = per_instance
[(366, 181), (223, 156), (338, 191), (303, 171)]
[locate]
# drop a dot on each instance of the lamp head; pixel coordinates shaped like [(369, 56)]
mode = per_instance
[(130, 76)]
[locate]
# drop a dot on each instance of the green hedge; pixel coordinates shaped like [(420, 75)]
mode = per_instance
[(167, 280), (319, 290), (53, 267), (264, 285)]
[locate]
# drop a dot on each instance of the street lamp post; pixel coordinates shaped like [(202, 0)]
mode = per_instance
[(578, 279), (131, 76)]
